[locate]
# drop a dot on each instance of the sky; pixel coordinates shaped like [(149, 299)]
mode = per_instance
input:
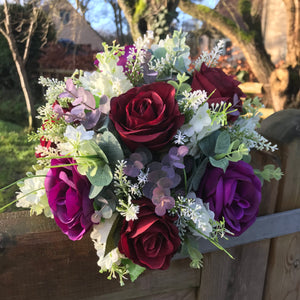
[(100, 14)]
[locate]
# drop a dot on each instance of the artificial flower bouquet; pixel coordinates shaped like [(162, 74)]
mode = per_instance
[(148, 154)]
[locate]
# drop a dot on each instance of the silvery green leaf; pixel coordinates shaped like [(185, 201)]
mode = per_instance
[(207, 145), (160, 52), (100, 175), (111, 147), (223, 142), (94, 191), (220, 163)]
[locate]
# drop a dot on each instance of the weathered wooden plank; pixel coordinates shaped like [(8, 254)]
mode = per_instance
[(47, 265), (283, 275), (224, 278), (251, 87), (265, 227)]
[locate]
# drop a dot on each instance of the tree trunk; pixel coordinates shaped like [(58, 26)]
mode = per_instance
[(24, 82), (142, 15), (281, 85), (20, 64)]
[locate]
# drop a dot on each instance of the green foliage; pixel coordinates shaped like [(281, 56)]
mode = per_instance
[(16, 156), (269, 172), (134, 270), (93, 163)]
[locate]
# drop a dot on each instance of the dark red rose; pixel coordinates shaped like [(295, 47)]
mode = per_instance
[(225, 88), (234, 195), (147, 116), (151, 240)]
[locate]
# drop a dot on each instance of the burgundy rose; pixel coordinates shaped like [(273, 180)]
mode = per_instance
[(234, 195), (151, 240), (68, 197), (147, 116), (223, 86)]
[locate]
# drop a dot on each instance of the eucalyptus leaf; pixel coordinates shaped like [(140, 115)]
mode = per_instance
[(222, 142), (100, 175), (219, 163), (173, 83), (207, 144), (94, 191), (185, 87), (160, 52), (111, 147)]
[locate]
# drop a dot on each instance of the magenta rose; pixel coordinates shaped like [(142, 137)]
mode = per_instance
[(223, 86), (234, 195), (151, 240), (147, 116), (68, 197)]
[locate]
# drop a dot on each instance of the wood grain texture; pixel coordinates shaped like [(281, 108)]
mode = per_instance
[(283, 275)]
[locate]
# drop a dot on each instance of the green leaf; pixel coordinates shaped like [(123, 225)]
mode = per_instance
[(110, 146), (160, 52), (207, 145), (198, 174), (100, 175), (134, 270), (185, 87), (94, 191), (173, 83), (220, 163), (223, 142), (110, 241)]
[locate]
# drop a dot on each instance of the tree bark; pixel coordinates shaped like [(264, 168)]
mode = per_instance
[(281, 85), (129, 12), (141, 14), (20, 64)]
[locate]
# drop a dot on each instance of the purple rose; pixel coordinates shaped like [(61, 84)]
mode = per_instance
[(234, 195), (68, 197)]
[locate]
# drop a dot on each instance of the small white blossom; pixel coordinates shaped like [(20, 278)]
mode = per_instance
[(99, 236), (199, 213), (143, 177), (111, 81), (74, 137), (200, 120), (180, 138), (32, 194)]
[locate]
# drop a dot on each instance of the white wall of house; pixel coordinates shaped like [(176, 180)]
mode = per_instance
[(70, 25)]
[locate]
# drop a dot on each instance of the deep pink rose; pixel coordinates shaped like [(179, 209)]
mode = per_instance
[(234, 195), (151, 240), (68, 197), (225, 88), (147, 116)]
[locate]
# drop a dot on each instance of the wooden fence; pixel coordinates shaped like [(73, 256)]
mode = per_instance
[(38, 262)]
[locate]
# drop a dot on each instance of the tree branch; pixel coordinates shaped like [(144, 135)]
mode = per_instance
[(257, 58), (31, 30)]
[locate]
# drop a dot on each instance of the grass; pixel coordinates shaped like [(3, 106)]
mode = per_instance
[(16, 158)]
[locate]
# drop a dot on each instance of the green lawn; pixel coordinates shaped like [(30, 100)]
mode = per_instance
[(16, 158)]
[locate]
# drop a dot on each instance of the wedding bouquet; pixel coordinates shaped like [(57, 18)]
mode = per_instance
[(149, 154)]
